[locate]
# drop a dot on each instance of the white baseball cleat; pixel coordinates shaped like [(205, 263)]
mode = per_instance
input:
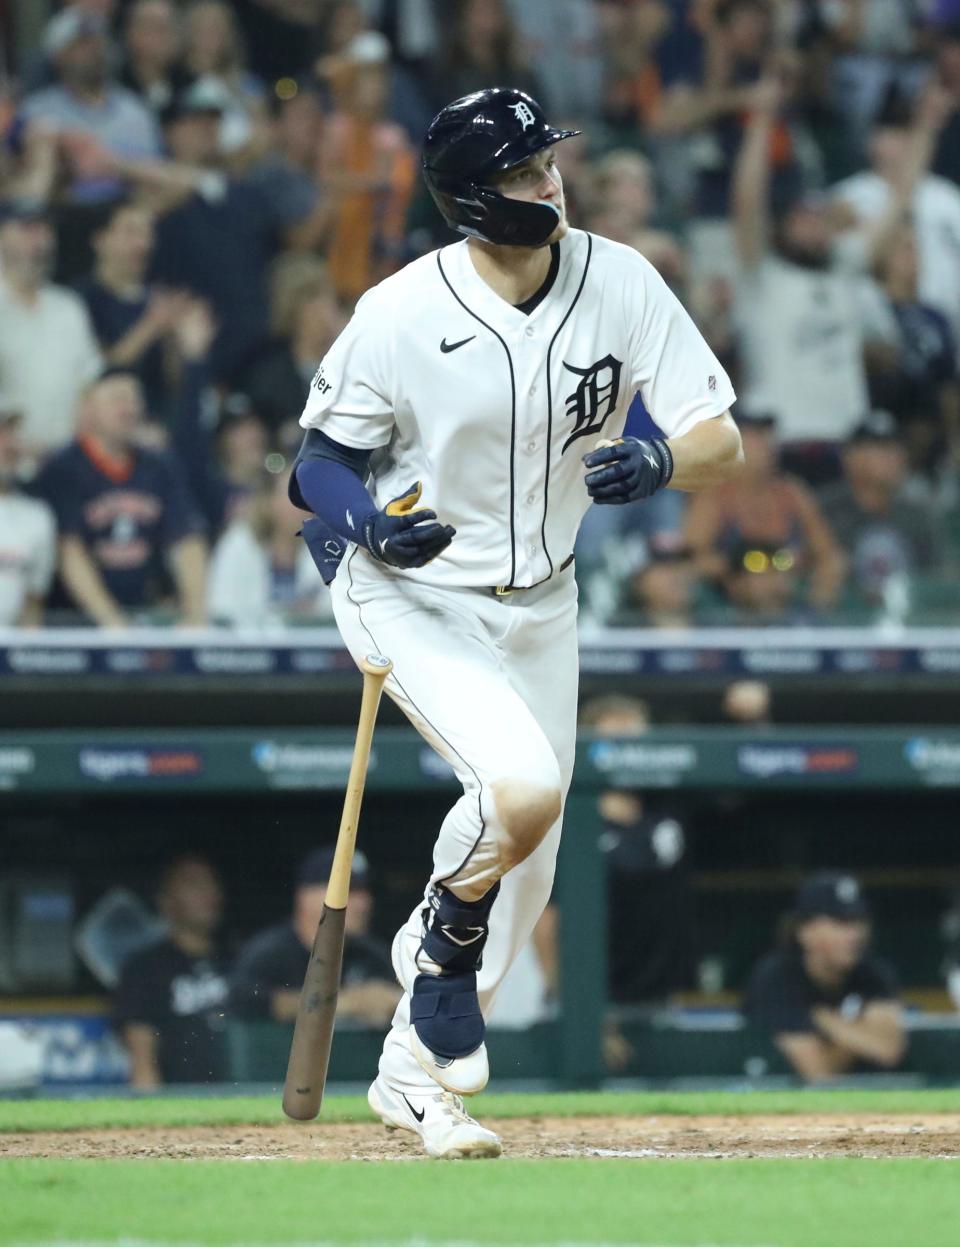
[(464, 1075), (446, 1129)]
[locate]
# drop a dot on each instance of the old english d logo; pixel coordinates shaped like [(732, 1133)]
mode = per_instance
[(594, 398)]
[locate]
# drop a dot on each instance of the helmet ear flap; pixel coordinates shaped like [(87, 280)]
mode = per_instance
[(475, 209)]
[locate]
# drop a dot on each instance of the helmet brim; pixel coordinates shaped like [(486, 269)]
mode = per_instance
[(520, 149)]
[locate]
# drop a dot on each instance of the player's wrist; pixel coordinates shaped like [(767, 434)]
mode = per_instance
[(368, 531), (650, 449)]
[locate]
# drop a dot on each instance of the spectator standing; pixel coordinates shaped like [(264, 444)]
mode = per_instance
[(482, 49), (369, 168), (261, 573), (221, 443), (270, 969), (170, 1002), (564, 40), (152, 38), (123, 514), (766, 506), (946, 74), (898, 185), (213, 51), (94, 116), (288, 172), (624, 209), (797, 308), (219, 239), (634, 78), (888, 538), (873, 44), (48, 351), (710, 108), (830, 1006), (306, 320), (130, 318), (282, 35), (912, 356), (28, 535)]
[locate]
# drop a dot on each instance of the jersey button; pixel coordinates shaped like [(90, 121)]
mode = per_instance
[(531, 499), (531, 446), (529, 331), (532, 390)]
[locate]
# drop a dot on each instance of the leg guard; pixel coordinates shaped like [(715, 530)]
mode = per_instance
[(445, 1013), (455, 931)]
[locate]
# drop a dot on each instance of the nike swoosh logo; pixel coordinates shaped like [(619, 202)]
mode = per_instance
[(419, 1116), (447, 347)]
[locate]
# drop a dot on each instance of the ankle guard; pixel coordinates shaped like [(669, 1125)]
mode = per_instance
[(445, 1013), (455, 931)]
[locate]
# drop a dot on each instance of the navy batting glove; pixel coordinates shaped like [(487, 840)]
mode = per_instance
[(628, 469), (405, 535)]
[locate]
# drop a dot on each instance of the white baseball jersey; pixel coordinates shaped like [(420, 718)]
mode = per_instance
[(802, 348), (28, 550), (493, 409)]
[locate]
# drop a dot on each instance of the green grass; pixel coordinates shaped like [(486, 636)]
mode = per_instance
[(28, 1115), (827, 1203)]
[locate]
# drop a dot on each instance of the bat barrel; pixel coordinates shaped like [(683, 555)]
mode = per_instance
[(313, 1033)]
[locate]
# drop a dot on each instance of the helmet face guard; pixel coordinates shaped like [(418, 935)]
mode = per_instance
[(472, 140)]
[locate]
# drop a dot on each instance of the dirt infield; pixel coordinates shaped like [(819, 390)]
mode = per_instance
[(933, 1135)]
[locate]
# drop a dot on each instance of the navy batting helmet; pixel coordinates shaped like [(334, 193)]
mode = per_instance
[(474, 138)]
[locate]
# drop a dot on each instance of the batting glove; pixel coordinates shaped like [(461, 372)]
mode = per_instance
[(405, 535), (627, 469)]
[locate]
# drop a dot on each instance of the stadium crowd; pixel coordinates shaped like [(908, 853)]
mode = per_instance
[(193, 196)]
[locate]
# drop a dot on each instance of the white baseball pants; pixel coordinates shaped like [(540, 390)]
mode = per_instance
[(491, 684)]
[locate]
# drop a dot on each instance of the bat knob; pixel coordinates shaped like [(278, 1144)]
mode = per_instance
[(377, 664)]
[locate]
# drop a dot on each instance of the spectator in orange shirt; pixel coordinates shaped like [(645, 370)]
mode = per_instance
[(767, 507), (368, 167)]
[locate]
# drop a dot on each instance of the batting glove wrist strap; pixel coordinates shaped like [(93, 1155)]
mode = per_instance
[(368, 532), (666, 458)]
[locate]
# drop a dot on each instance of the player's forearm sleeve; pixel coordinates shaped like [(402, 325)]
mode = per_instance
[(336, 494)]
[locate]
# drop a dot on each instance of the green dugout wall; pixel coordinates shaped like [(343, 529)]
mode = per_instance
[(232, 761)]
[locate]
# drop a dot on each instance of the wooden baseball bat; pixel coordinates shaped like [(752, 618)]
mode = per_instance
[(313, 1032)]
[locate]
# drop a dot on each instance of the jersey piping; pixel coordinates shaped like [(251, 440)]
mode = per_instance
[(546, 474), (513, 418)]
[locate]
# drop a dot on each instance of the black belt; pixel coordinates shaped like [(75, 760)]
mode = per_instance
[(504, 591)]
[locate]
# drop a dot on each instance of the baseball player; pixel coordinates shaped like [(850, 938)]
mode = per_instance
[(452, 443)]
